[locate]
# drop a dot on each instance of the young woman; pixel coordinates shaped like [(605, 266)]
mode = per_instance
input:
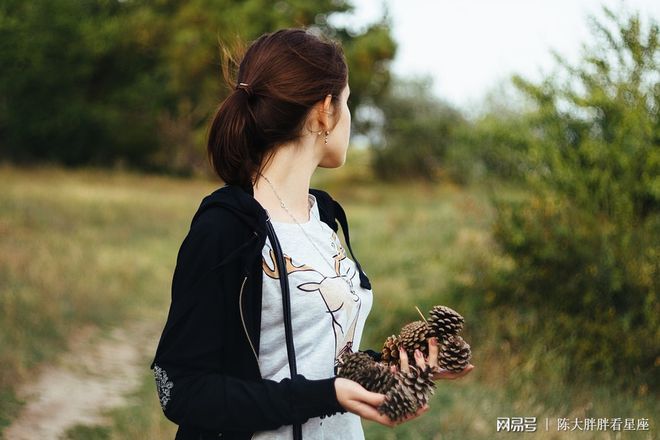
[(264, 297)]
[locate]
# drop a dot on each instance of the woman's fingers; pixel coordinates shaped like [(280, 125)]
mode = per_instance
[(355, 392), (418, 413), (373, 399), (354, 398), (405, 363), (433, 352), (441, 373), (403, 360), (419, 360), (370, 413)]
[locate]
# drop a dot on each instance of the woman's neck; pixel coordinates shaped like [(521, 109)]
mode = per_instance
[(290, 172)]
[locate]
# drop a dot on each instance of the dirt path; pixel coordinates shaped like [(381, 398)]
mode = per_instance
[(96, 374)]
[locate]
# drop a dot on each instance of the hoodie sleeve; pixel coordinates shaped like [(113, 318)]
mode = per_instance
[(190, 352)]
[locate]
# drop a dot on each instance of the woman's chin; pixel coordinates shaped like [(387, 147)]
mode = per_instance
[(334, 161)]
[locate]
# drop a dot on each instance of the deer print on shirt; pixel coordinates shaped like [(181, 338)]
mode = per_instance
[(337, 292)]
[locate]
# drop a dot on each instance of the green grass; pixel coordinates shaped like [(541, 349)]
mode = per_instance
[(99, 247), (141, 418)]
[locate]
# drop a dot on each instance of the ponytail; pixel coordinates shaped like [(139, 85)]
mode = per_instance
[(233, 141)]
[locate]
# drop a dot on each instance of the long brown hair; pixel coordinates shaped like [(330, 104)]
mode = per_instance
[(280, 78)]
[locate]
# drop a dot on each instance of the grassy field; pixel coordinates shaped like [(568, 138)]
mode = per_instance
[(95, 247), (77, 248)]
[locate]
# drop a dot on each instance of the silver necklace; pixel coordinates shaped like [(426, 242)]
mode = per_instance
[(283, 205)]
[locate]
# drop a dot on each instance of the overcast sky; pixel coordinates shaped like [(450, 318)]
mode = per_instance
[(467, 46)]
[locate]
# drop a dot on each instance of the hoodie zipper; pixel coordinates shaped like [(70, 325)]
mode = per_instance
[(286, 309), (247, 335)]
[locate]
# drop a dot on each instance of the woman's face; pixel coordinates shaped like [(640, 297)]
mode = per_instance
[(335, 151)]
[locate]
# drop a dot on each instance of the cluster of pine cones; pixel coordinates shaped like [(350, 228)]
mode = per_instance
[(406, 392), (443, 323)]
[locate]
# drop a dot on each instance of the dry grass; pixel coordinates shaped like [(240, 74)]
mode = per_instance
[(77, 248), (99, 247)]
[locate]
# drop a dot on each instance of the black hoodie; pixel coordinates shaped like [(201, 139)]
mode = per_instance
[(206, 366)]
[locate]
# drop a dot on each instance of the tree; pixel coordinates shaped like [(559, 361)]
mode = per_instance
[(102, 81), (598, 131), (413, 131), (75, 86)]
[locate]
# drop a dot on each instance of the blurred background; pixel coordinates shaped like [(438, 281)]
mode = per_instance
[(505, 162)]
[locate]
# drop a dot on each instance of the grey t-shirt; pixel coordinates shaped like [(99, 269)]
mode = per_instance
[(328, 309)]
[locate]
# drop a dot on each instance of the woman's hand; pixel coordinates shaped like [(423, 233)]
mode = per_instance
[(354, 398), (439, 373)]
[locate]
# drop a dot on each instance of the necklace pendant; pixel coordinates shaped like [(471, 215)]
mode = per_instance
[(282, 205)]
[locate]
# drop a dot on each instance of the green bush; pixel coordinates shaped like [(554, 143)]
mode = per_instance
[(75, 85), (584, 246), (494, 145), (595, 281)]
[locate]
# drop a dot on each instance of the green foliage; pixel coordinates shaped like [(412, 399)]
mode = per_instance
[(75, 87), (10, 405), (369, 56), (595, 282), (598, 134), (110, 81), (494, 145), (584, 246), (82, 432), (416, 130)]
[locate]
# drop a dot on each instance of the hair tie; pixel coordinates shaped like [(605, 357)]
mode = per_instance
[(246, 88)]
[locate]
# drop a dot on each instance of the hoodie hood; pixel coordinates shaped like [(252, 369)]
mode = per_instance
[(241, 202)]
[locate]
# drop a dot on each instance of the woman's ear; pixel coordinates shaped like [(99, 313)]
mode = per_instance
[(320, 117), (325, 113)]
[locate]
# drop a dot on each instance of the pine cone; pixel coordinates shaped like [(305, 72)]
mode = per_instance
[(414, 336), (354, 366), (454, 354), (361, 368), (420, 382), (410, 392), (390, 351), (381, 382), (444, 322), (404, 393), (399, 403)]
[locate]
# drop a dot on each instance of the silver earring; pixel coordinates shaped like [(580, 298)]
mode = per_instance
[(326, 137)]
